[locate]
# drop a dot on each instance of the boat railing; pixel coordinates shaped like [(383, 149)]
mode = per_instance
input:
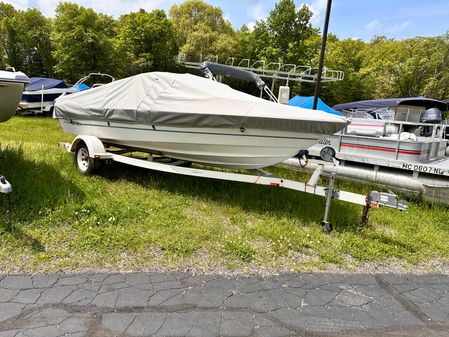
[(271, 70), (437, 138)]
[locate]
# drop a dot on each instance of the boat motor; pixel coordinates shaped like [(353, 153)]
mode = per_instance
[(430, 116)]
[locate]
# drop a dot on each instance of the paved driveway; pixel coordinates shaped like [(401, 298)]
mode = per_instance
[(180, 304)]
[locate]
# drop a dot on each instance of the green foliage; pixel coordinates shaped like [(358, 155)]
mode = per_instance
[(83, 41), (25, 40), (79, 40), (202, 31), (386, 68), (290, 32), (346, 55), (8, 38), (145, 42)]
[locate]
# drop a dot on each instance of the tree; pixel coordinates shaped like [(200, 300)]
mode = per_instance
[(287, 35), (202, 30), (34, 36), (25, 40), (438, 84), (83, 41), (145, 41), (346, 55), (9, 49), (407, 68)]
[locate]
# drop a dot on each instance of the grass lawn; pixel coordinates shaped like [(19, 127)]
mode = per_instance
[(128, 218)]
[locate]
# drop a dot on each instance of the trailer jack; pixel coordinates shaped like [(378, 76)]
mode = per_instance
[(377, 199)]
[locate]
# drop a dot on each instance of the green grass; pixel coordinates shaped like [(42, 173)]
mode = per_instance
[(126, 218)]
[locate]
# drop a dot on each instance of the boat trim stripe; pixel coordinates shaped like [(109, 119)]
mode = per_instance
[(191, 132), (358, 124), (384, 149)]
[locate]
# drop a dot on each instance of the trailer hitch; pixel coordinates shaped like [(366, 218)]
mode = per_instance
[(377, 199)]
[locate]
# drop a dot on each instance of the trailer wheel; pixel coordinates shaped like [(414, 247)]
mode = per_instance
[(84, 163), (326, 226)]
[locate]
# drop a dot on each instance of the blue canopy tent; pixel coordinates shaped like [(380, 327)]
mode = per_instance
[(307, 102)]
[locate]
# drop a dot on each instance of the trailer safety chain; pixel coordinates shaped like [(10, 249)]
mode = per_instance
[(364, 218)]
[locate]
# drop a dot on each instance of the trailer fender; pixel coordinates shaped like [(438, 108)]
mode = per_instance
[(94, 145)]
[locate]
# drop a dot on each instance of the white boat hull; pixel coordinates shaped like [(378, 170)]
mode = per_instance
[(10, 93), (230, 148)]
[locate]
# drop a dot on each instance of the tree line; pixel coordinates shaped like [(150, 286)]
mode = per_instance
[(79, 40)]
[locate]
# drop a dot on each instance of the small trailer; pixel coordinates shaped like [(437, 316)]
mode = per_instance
[(91, 154)]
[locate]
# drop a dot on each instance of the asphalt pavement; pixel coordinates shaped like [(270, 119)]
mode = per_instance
[(182, 304)]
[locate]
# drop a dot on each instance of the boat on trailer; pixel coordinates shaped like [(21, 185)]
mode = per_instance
[(180, 118), (401, 143), (191, 118), (12, 84), (40, 94)]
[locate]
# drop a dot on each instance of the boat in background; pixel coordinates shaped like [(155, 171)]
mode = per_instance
[(40, 94), (400, 142), (12, 84), (191, 118)]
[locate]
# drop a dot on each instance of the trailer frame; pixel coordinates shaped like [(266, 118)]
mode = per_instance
[(94, 152)]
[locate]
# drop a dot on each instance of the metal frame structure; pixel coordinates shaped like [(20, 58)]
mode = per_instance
[(273, 70), (374, 199)]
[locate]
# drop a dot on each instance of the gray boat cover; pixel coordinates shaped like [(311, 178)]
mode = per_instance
[(185, 100)]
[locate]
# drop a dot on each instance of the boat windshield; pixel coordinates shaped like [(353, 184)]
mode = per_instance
[(384, 114)]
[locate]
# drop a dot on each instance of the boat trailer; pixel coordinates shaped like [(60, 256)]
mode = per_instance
[(90, 154)]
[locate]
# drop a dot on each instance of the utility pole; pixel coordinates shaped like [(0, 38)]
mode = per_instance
[(322, 52)]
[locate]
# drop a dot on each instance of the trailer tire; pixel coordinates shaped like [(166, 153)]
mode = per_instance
[(84, 163), (49, 112), (326, 227)]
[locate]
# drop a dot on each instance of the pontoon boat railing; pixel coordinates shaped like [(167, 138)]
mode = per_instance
[(438, 135)]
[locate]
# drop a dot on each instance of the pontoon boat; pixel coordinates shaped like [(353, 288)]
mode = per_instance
[(399, 142)]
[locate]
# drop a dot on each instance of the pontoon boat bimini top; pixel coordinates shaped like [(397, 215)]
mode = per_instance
[(427, 103)]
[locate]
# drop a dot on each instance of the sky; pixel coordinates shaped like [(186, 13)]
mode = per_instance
[(361, 19)]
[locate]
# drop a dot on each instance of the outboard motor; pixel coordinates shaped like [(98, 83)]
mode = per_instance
[(430, 116)]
